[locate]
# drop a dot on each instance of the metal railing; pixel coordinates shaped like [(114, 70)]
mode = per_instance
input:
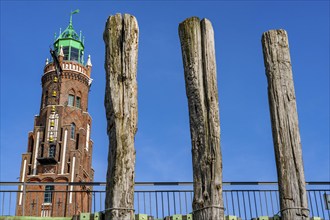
[(246, 200)]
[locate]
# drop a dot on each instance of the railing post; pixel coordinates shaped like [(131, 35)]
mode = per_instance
[(3, 203), (9, 203)]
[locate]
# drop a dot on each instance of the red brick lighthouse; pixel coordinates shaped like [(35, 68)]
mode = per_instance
[(59, 149)]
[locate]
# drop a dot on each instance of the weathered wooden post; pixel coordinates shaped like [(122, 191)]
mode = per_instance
[(121, 45), (284, 117), (197, 44)]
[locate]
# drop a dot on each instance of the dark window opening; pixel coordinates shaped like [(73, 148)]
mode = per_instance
[(73, 129), (30, 148), (78, 102), (43, 135), (48, 194), (51, 152), (31, 143), (77, 142), (61, 135), (66, 53), (59, 152), (68, 168), (46, 98), (42, 151), (74, 54)]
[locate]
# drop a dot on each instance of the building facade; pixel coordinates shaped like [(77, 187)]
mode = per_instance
[(59, 149)]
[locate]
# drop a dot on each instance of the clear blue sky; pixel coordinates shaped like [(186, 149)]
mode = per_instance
[(163, 149)]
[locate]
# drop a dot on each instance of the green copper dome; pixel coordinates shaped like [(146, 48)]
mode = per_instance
[(71, 43)]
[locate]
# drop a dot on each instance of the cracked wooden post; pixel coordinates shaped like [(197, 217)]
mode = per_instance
[(284, 117), (198, 53), (121, 45)]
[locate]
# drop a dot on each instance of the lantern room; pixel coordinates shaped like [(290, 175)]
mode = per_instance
[(71, 43)]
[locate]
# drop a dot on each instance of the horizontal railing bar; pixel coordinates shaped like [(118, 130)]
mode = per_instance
[(59, 191), (316, 190), (154, 183), (163, 183), (318, 183), (150, 191), (249, 183), (53, 183), (267, 190), (153, 191), (170, 190), (13, 191)]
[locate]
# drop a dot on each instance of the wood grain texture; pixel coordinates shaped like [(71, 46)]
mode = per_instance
[(121, 45), (197, 44), (285, 129)]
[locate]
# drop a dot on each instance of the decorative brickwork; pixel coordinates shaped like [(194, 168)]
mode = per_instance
[(59, 147)]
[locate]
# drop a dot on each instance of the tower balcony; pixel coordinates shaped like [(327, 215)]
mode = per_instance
[(47, 154), (47, 160), (68, 66), (71, 70)]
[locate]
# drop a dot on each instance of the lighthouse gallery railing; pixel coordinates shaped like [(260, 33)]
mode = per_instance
[(159, 199)]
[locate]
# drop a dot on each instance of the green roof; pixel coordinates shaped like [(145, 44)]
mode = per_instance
[(71, 42)]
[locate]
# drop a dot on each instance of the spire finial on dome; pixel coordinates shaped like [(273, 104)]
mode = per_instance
[(72, 13), (69, 32), (47, 61), (89, 62)]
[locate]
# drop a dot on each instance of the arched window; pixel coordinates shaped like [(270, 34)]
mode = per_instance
[(70, 100), (31, 144), (73, 130), (31, 147), (78, 99), (78, 102)]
